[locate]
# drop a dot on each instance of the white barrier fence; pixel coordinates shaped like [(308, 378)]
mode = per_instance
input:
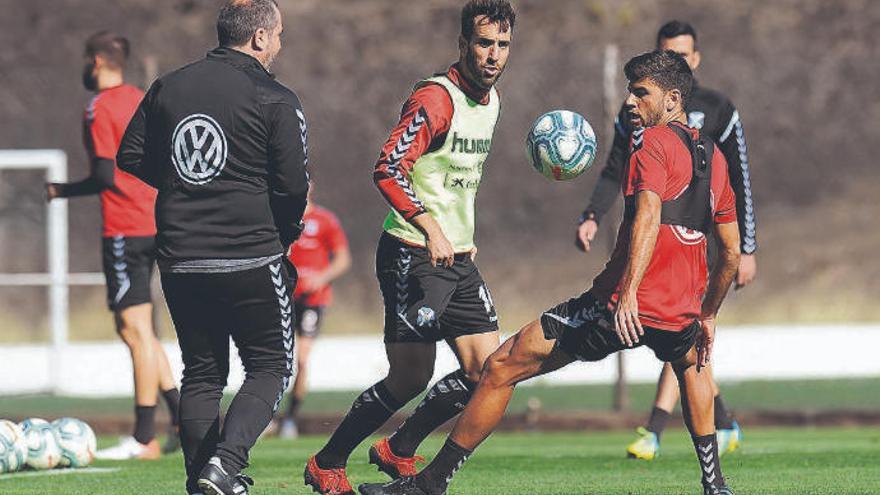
[(354, 363)]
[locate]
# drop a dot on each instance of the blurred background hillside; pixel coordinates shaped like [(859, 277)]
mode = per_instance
[(803, 75)]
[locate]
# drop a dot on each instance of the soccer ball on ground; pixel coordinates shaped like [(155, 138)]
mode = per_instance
[(13, 449), (77, 442), (42, 443), (561, 145)]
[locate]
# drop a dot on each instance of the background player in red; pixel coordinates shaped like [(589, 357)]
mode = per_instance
[(128, 239), (651, 291), (321, 255)]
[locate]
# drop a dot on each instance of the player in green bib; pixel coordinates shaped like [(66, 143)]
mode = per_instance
[(429, 171)]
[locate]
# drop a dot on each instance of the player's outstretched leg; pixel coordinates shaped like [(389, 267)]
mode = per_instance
[(395, 455), (697, 404), (134, 324), (410, 370), (529, 353)]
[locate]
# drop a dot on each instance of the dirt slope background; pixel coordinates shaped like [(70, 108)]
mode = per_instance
[(802, 73)]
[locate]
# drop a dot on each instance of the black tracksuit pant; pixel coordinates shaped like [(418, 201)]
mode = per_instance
[(254, 307)]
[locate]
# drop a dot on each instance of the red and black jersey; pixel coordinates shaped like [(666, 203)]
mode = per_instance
[(321, 238), (671, 291), (128, 206), (428, 111)]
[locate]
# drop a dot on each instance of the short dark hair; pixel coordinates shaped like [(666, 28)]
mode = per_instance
[(673, 29), (110, 45), (240, 19), (666, 68), (495, 10)]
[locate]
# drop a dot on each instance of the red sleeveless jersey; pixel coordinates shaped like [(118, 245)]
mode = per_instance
[(128, 207)]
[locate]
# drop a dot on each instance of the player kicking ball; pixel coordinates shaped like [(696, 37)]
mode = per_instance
[(429, 171), (676, 191)]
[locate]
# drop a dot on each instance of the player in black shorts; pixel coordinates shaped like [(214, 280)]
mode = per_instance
[(716, 117), (429, 171), (128, 242)]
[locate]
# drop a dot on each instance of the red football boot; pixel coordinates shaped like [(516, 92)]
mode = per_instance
[(327, 481), (390, 463)]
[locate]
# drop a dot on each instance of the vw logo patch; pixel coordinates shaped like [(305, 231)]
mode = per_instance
[(198, 149)]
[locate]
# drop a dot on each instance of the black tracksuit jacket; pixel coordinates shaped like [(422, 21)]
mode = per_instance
[(225, 145)]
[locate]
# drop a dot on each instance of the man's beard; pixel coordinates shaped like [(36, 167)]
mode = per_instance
[(477, 74), (90, 82)]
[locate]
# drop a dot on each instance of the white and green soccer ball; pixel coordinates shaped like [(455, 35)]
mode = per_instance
[(76, 440), (42, 443), (561, 145), (13, 449)]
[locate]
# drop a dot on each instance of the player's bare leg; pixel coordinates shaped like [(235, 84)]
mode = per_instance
[(396, 455), (135, 327), (171, 395), (288, 427), (697, 404), (523, 356)]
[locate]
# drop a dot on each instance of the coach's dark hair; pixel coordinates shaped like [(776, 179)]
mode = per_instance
[(110, 45), (673, 29), (666, 68), (495, 10), (240, 19)]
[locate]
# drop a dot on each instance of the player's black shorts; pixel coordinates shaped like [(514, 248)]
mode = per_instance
[(128, 268), (425, 303), (308, 319), (584, 328)]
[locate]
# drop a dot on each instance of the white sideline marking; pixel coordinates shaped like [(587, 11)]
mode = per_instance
[(57, 472)]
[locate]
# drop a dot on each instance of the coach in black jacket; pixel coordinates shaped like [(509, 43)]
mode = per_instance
[(225, 145)]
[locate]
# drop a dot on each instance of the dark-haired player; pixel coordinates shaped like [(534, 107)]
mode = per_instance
[(429, 171), (128, 239), (715, 116), (676, 192)]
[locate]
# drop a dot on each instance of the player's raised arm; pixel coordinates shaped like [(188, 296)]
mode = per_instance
[(608, 187), (288, 160), (426, 116)]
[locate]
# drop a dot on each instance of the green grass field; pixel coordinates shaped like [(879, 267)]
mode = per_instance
[(772, 461), (854, 394)]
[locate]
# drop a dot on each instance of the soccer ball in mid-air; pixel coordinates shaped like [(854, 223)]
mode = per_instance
[(77, 442), (561, 145), (42, 443), (13, 449)]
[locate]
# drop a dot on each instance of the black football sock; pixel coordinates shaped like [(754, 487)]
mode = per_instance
[(723, 418), (172, 400), (370, 411), (443, 401), (435, 478), (657, 422), (144, 423), (710, 464), (293, 405)]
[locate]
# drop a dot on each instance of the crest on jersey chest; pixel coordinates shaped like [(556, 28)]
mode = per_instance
[(696, 119)]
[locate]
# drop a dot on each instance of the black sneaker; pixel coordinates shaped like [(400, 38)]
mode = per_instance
[(717, 490), (402, 486), (213, 480)]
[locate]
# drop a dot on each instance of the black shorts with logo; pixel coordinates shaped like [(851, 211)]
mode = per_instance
[(308, 319), (583, 327), (426, 303), (128, 268)]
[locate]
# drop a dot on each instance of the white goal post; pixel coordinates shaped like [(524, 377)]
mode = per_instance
[(56, 278)]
